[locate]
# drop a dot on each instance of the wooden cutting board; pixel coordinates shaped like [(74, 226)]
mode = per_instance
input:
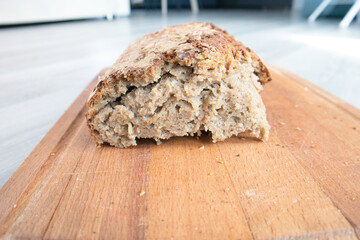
[(303, 183)]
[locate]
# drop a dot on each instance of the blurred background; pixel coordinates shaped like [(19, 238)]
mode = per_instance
[(51, 50)]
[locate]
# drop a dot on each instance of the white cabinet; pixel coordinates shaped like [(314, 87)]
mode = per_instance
[(34, 11)]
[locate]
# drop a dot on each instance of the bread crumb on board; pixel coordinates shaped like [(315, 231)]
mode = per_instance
[(142, 193), (201, 147)]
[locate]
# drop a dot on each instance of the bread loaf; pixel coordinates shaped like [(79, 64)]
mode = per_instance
[(182, 80)]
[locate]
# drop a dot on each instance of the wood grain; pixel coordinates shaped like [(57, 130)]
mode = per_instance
[(194, 193), (17, 183), (303, 183), (328, 144)]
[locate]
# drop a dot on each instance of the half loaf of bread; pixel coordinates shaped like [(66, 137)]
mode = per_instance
[(180, 81)]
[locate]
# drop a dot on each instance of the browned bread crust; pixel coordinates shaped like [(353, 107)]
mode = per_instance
[(142, 62), (207, 49)]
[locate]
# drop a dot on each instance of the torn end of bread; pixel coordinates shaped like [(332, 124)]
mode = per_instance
[(180, 81)]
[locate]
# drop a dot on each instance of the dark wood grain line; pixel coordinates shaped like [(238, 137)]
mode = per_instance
[(236, 192), (29, 168), (80, 115), (140, 192), (34, 189)]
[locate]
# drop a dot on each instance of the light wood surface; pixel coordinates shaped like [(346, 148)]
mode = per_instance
[(303, 183)]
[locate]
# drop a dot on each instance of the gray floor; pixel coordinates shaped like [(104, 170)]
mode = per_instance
[(43, 68)]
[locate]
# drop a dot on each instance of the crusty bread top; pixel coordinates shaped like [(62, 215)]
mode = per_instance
[(192, 44)]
